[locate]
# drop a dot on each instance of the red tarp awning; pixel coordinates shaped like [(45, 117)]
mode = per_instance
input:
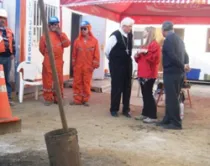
[(145, 11)]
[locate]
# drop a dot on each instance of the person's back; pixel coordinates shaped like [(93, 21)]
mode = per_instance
[(173, 54), (173, 75)]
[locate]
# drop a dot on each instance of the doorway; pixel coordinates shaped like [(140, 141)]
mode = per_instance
[(74, 34)]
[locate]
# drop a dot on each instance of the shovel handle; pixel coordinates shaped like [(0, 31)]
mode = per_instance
[(52, 63)]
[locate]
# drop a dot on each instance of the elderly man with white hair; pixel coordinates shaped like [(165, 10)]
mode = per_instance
[(119, 50)]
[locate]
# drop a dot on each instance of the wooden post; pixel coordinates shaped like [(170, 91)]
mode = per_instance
[(52, 62), (62, 145)]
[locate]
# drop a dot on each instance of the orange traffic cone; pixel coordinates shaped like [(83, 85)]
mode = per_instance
[(8, 124)]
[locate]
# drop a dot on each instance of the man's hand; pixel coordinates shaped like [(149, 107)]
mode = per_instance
[(91, 69), (136, 55), (186, 67), (142, 50), (58, 30), (12, 57)]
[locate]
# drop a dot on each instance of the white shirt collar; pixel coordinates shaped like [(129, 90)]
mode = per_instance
[(123, 33)]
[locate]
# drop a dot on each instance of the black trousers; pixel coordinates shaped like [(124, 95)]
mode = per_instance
[(149, 104), (172, 85), (121, 76)]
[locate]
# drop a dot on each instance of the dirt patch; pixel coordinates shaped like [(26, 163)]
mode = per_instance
[(40, 158), (107, 141)]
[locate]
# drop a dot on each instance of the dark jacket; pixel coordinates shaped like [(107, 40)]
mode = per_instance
[(118, 53), (186, 60), (174, 55)]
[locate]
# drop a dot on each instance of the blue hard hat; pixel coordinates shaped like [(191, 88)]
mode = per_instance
[(84, 23), (53, 19)]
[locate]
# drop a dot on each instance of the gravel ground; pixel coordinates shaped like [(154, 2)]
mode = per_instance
[(106, 141)]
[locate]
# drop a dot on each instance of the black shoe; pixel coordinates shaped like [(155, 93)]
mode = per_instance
[(161, 123), (172, 127), (86, 104), (114, 114), (73, 103), (126, 114), (56, 102)]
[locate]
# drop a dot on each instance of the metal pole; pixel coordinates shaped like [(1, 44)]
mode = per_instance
[(52, 62), (17, 41)]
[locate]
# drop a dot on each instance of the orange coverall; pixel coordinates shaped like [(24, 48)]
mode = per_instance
[(59, 42), (85, 59)]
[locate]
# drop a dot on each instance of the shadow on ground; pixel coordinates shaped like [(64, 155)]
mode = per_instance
[(40, 158), (25, 158)]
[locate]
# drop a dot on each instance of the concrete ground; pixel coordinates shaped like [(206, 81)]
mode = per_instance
[(107, 141)]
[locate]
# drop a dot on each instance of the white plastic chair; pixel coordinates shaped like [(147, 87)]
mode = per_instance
[(30, 72)]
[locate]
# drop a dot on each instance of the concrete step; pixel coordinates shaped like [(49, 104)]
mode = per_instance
[(99, 86)]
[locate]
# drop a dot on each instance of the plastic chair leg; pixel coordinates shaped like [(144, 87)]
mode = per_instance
[(21, 92), (36, 92), (189, 97), (160, 95)]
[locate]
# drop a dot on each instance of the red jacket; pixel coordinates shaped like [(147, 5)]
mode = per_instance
[(148, 63)]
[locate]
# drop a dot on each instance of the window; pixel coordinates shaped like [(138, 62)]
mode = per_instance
[(138, 38), (37, 27), (208, 40)]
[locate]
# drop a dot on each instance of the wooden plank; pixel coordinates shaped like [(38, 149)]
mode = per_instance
[(199, 82), (98, 86)]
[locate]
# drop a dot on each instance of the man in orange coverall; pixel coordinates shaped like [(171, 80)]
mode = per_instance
[(59, 41), (85, 59)]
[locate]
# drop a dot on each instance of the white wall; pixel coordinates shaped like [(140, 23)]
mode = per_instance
[(66, 27), (195, 41), (52, 2)]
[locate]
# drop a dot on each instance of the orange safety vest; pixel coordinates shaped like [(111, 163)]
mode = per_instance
[(10, 38)]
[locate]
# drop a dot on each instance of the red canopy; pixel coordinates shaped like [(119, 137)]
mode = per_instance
[(145, 11)]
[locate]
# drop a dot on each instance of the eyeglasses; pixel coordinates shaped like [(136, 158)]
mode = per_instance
[(3, 18), (83, 28), (129, 26), (53, 24)]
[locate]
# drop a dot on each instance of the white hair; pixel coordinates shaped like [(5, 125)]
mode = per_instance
[(127, 21)]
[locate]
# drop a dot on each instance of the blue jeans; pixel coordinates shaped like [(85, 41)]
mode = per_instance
[(6, 62)]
